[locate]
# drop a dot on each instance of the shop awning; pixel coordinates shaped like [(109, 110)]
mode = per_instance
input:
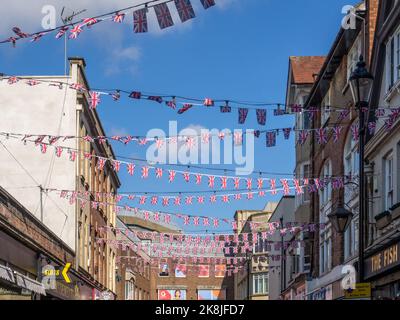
[(6, 273), (30, 284)]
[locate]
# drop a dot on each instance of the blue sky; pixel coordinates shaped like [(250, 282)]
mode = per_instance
[(238, 50)]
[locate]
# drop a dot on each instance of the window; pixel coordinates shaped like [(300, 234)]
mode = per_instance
[(261, 244), (351, 166), (393, 60), (326, 108), (325, 250), (325, 193), (260, 283), (351, 239), (388, 181), (353, 57), (304, 172), (129, 290)]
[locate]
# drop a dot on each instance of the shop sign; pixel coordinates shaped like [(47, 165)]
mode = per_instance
[(362, 291), (382, 261)]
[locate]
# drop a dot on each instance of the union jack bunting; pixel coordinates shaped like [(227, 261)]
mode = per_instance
[(250, 196), (322, 137), (185, 108), (260, 183), (337, 183), (90, 21), (186, 176), (371, 127), (208, 102), (238, 138), (286, 133), (299, 189), (271, 139), (75, 31), (43, 148), (172, 175), (165, 201), (177, 201), (163, 15), (59, 151), (140, 21), (185, 9), (38, 36), (171, 104), (200, 199), (312, 112), (261, 193), (19, 33), (225, 198), (279, 112), (159, 173), (116, 165), (142, 200), (296, 108), (303, 135), (336, 133), (32, 83), (273, 186), (155, 98), (207, 3), (119, 17), (285, 186), (261, 116), (12, 80), (116, 95), (77, 86), (343, 115), (257, 133), (198, 179), (94, 99), (249, 183), (236, 182), (243, 112), (101, 163), (72, 156), (237, 196), (355, 132), (189, 200), (211, 181), (135, 95), (131, 168), (13, 40), (226, 108), (216, 223), (145, 172), (380, 112), (224, 181)]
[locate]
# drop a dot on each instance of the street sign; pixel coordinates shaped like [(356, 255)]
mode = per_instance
[(362, 291)]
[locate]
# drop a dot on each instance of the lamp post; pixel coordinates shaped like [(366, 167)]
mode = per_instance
[(361, 83)]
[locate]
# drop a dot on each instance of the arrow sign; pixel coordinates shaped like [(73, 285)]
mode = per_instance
[(64, 273)]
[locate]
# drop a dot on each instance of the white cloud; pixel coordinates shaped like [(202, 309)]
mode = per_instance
[(123, 59)]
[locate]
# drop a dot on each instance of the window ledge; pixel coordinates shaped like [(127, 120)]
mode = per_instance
[(392, 91)]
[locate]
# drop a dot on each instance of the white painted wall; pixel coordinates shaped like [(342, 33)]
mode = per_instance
[(40, 109)]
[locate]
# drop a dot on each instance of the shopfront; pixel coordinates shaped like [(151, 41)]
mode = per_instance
[(382, 269)]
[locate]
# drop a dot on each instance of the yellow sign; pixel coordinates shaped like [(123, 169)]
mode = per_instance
[(362, 291), (64, 273)]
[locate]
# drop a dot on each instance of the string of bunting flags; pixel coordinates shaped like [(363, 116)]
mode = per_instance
[(140, 22), (172, 101)]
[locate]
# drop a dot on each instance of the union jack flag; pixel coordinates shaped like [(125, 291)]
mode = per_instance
[(286, 133), (167, 218), (159, 173), (257, 133), (177, 201), (185, 108), (216, 223), (186, 220), (261, 116), (75, 31), (90, 21), (135, 95), (343, 115), (380, 112), (77, 86), (172, 175), (208, 102), (72, 156), (59, 151), (189, 200), (19, 33), (101, 163), (186, 176), (236, 182), (273, 186), (116, 165), (224, 181), (116, 95), (303, 135), (249, 183), (196, 221), (371, 127), (221, 136), (131, 168), (32, 83), (198, 179), (145, 172), (336, 133), (211, 180), (213, 198), (140, 21), (171, 104), (163, 15), (299, 189), (94, 99), (119, 17), (260, 183), (238, 137), (250, 196), (238, 196), (296, 108), (243, 112), (38, 36), (207, 3), (142, 200), (12, 80), (61, 32), (226, 108), (321, 136), (271, 139), (200, 199), (165, 201), (155, 98), (355, 132), (43, 148), (185, 9)]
